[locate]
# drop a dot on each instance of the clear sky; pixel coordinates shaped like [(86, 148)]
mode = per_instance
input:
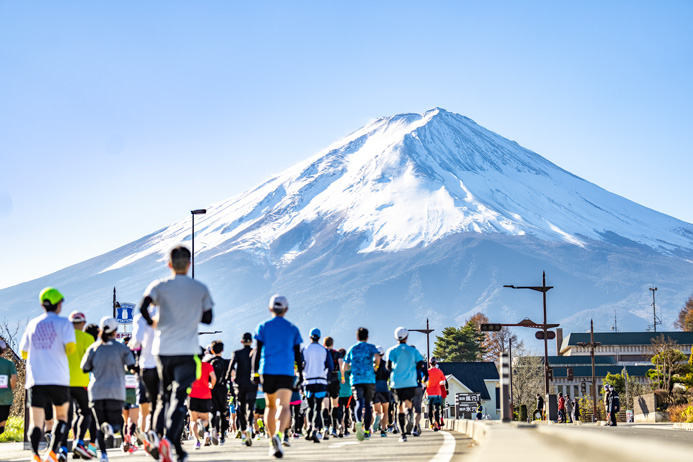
[(118, 118)]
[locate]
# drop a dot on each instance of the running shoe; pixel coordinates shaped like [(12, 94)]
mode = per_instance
[(359, 431), (197, 444), (416, 432), (92, 450), (403, 438), (151, 444), (51, 457), (126, 443), (238, 434), (200, 429), (248, 438), (165, 450), (36, 458), (383, 434), (215, 437), (367, 435), (410, 424), (346, 433), (276, 449), (208, 439), (62, 455), (107, 434), (286, 441), (326, 435), (222, 440), (334, 433), (183, 457), (314, 437), (81, 451), (104, 457), (49, 439)]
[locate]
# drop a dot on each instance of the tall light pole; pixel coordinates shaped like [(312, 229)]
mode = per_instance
[(543, 289), (426, 331), (193, 213)]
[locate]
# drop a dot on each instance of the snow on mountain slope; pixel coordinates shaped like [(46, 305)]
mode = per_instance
[(411, 179)]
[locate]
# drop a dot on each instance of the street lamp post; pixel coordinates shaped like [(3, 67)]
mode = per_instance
[(426, 331), (193, 213), (543, 289)]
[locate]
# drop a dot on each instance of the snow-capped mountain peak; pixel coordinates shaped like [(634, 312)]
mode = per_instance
[(406, 181)]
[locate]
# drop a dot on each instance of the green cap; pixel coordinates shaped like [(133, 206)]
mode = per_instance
[(50, 296)]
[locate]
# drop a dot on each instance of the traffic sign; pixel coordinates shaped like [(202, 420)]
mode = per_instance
[(125, 313)]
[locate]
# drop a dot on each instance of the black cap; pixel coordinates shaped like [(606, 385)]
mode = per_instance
[(247, 337)]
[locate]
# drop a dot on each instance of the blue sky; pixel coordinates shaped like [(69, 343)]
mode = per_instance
[(117, 118)]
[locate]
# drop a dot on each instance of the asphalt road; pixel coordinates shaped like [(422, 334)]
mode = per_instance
[(430, 446)]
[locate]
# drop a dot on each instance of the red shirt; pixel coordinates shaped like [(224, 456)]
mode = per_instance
[(435, 376), (200, 387)]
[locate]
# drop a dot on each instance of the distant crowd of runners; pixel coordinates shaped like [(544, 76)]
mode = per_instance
[(158, 388)]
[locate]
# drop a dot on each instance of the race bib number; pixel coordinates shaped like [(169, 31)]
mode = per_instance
[(4, 381), (130, 381)]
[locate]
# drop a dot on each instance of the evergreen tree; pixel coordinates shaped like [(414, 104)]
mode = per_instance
[(461, 344)]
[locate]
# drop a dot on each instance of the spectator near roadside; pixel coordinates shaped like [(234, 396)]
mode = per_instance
[(8, 382)]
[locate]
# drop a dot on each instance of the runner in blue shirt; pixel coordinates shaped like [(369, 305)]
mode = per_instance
[(404, 362), (364, 359), (278, 348)]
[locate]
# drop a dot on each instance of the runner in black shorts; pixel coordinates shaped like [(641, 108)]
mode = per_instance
[(278, 349), (45, 345), (333, 385), (381, 401)]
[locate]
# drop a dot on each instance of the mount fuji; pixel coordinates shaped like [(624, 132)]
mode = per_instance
[(412, 217)]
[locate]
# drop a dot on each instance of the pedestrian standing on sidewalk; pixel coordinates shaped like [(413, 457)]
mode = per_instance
[(561, 408), (569, 408), (182, 303)]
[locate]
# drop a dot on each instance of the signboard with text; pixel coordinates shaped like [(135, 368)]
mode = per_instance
[(466, 404), (124, 313)]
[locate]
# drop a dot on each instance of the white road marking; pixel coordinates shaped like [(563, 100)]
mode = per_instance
[(346, 443), (447, 450)]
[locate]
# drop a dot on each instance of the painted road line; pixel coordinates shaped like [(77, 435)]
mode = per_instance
[(447, 450), (346, 443)]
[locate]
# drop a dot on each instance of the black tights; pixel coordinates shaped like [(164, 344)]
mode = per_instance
[(298, 417), (246, 408), (108, 411)]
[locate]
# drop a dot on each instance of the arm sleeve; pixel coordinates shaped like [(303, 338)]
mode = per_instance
[(206, 306), (87, 365), (298, 358), (24, 344), (144, 309), (232, 364), (128, 357), (258, 355)]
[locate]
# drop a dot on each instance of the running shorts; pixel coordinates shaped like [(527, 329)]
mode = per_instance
[(333, 389), (363, 391), (46, 395), (200, 405), (319, 390), (381, 397), (405, 394), (272, 383)]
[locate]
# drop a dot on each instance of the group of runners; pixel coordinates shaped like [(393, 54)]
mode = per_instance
[(159, 388)]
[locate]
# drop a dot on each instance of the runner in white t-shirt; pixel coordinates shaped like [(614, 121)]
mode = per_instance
[(45, 345)]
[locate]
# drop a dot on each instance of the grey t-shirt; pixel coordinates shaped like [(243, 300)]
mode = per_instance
[(106, 362), (181, 301)]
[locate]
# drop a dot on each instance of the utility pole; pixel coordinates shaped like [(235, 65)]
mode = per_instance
[(654, 310), (592, 346)]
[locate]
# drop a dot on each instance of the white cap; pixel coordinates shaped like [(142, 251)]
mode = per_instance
[(381, 350), (108, 324), (278, 302), (401, 333)]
